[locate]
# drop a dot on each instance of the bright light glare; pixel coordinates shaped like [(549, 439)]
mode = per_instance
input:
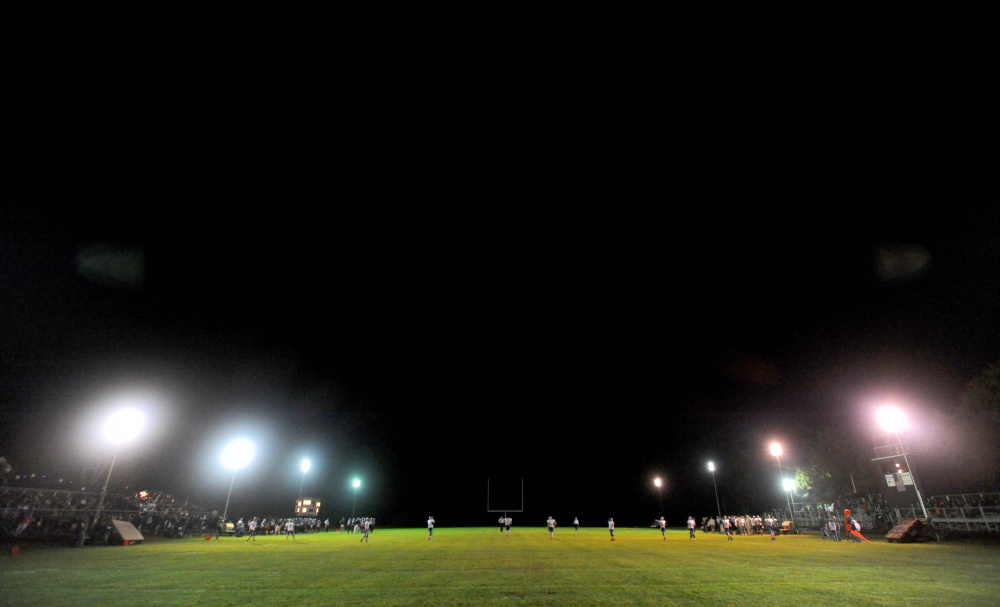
[(711, 467), (892, 419), (238, 453), (789, 484), (657, 482), (356, 483), (775, 449), (306, 464), (124, 424)]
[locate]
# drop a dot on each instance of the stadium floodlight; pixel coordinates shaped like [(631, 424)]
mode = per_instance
[(357, 485), (123, 425), (776, 452), (892, 419), (237, 454), (659, 485), (306, 464), (711, 468)]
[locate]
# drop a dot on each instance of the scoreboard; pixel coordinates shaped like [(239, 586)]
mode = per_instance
[(306, 506)]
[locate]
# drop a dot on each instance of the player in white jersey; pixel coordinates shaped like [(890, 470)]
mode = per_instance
[(506, 524), (691, 525), (366, 525), (576, 523), (663, 527), (253, 530), (430, 527), (551, 522), (290, 530), (611, 528), (770, 522)]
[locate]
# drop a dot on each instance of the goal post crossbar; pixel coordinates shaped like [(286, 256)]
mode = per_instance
[(503, 510)]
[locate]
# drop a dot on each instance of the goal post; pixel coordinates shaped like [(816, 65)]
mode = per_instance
[(504, 496)]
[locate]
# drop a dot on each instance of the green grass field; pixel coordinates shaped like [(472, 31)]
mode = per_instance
[(483, 567)]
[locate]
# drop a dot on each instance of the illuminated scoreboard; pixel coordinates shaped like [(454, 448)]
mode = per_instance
[(306, 506)]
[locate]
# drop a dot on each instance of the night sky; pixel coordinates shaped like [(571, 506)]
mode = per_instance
[(582, 294)]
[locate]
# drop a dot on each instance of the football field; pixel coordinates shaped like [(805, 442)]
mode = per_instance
[(481, 566)]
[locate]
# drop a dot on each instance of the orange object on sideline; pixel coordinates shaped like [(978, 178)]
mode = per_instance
[(15, 550)]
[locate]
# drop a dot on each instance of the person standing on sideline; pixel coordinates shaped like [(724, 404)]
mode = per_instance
[(663, 527), (365, 527), (326, 526), (252, 535), (834, 525), (551, 522), (576, 523), (430, 527), (728, 526), (611, 528), (289, 529), (770, 522), (691, 525), (824, 527)]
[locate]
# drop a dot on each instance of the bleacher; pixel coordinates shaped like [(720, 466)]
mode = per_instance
[(866, 509), (965, 512)]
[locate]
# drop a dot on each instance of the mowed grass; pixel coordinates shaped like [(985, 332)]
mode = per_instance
[(481, 566)]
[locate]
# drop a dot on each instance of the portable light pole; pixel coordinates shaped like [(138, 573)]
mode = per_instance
[(892, 419), (711, 468), (356, 484), (237, 454), (306, 464), (123, 425), (776, 452)]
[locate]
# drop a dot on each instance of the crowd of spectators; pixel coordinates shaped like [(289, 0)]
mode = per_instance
[(67, 516), (971, 505), (745, 524), (61, 515)]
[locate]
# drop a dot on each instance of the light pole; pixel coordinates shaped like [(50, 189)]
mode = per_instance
[(356, 484), (123, 425), (790, 488), (892, 419), (237, 454), (711, 468), (659, 485), (306, 464), (776, 452)]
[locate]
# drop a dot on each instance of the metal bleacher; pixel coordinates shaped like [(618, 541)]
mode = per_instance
[(808, 515), (965, 512)]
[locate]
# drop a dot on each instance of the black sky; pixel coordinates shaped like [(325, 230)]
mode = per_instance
[(433, 284)]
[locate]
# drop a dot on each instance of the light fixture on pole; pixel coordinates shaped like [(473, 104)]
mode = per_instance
[(306, 464), (659, 485), (123, 425), (892, 419), (711, 468), (237, 454), (776, 452), (356, 484)]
